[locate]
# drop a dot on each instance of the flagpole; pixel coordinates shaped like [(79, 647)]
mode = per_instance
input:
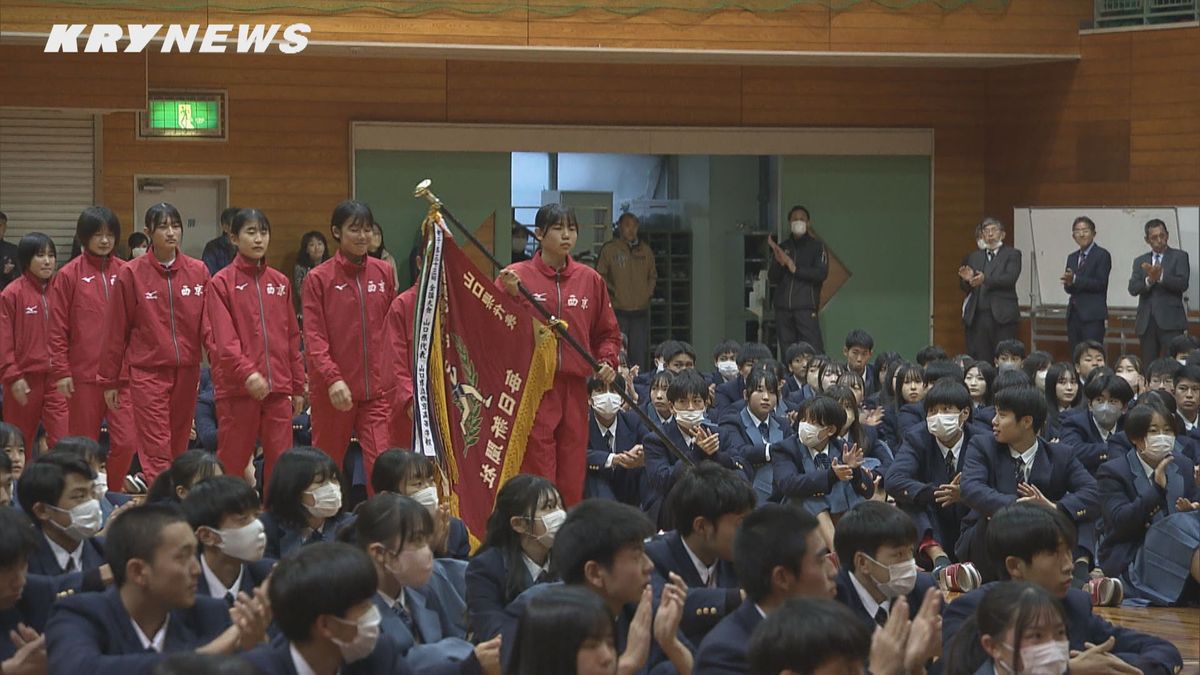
[(557, 325)]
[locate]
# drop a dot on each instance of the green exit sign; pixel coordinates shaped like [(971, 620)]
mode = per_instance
[(184, 116)]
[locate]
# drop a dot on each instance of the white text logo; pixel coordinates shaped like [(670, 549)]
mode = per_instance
[(104, 37)]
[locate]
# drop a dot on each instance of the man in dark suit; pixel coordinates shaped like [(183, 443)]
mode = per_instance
[(778, 554), (1086, 282), (1159, 280), (25, 600), (989, 278), (56, 492), (1033, 543), (152, 610), (798, 270)]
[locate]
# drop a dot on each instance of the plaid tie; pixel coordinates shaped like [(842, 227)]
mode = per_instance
[(951, 469), (765, 431), (1020, 462), (822, 460), (608, 438)]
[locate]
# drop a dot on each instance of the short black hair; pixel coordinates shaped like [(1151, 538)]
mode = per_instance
[(1182, 344), (213, 498), (1035, 362), (687, 383), (726, 347), (186, 470), (1023, 402), (228, 214), (553, 214), (825, 410), (1186, 373), (81, 446), (554, 627), (1011, 347), (1086, 221), (321, 578), (1025, 530), (44, 480), (137, 239), (1153, 223), (798, 349), (395, 466), (870, 525), (294, 472), (137, 534), (1113, 385), (942, 369), (805, 633), (930, 354), (92, 220), (160, 213), (388, 519), (947, 392), (753, 352), (1013, 377), (1141, 416), (350, 212), (18, 537), (765, 373), (596, 530), (860, 338), (774, 535), (1164, 368), (595, 384), (1083, 347), (242, 217), (672, 348), (708, 490), (33, 244)]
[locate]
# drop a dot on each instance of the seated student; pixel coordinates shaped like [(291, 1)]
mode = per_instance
[(642, 379), (796, 358), (56, 493), (1181, 347), (876, 542), (25, 601), (186, 470), (982, 417), (1015, 464), (322, 598), (616, 462), (925, 480), (691, 434), (515, 553), (877, 456), (1184, 445), (830, 372), (601, 548), (812, 636), (978, 376), (1035, 366), (750, 432), (152, 609), (1087, 355), (731, 391), (708, 503), (409, 473), (778, 554), (13, 444), (223, 512), (882, 367), (724, 361), (1033, 543), (1187, 399), (1018, 628), (1129, 368), (671, 356), (1063, 394), (6, 481), (908, 387), (394, 531), (1160, 374), (91, 452), (565, 630), (1152, 523), (814, 470), (857, 349), (912, 414), (657, 407), (304, 502), (1089, 431), (1009, 354)]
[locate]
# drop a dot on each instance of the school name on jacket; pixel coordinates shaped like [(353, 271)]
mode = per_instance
[(217, 38)]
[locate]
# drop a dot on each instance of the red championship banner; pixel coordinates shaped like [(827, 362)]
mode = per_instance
[(481, 366)]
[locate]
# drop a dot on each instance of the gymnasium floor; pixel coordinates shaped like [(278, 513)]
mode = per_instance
[(1180, 626)]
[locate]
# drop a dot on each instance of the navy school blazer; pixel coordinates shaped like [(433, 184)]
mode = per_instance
[(1152, 655), (663, 468), (282, 538), (44, 563), (276, 659), (93, 633), (486, 597), (32, 609), (919, 469), (848, 596), (797, 478), (1077, 430), (253, 575), (620, 484), (989, 480), (723, 651), (704, 607)]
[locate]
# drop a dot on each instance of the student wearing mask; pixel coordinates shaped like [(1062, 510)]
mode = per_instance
[(304, 502), (1018, 628), (732, 391), (411, 474), (1086, 283), (989, 278), (798, 270), (1090, 432), (616, 460), (724, 362), (56, 492), (223, 512), (1010, 354)]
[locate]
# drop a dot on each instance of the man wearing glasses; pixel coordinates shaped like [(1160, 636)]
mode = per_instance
[(1086, 282), (989, 278)]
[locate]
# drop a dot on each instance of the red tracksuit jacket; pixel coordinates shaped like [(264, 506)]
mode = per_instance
[(251, 326), (80, 297), (400, 335), (578, 295), (345, 314), (156, 316), (24, 329)]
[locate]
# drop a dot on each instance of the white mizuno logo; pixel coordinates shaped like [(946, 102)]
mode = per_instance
[(151, 295), (240, 287), (32, 309), (341, 287), (88, 279)]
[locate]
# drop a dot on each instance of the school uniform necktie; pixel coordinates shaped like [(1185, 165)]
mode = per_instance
[(1020, 461), (408, 622), (881, 616), (70, 566), (608, 438), (765, 430), (229, 598), (950, 468), (822, 460)]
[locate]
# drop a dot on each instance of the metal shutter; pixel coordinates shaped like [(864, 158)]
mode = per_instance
[(47, 173)]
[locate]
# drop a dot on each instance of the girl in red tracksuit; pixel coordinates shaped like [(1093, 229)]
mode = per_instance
[(26, 362), (400, 318), (154, 327), (345, 302), (80, 297), (253, 343), (557, 446)]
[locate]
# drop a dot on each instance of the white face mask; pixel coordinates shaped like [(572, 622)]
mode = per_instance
[(327, 500), (943, 426), (100, 485), (606, 403), (245, 543), (412, 568), (427, 497), (799, 227), (137, 251), (1048, 658), (981, 243), (810, 434), (85, 520), (902, 578), (728, 369), (365, 636), (552, 522), (689, 418), (1158, 447)]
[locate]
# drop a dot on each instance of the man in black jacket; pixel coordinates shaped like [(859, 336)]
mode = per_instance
[(1160, 278), (989, 278), (8, 255), (1086, 281), (797, 272)]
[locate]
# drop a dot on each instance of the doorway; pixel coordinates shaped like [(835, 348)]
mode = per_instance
[(200, 200)]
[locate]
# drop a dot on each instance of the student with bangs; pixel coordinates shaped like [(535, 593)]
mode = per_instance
[(81, 298), (26, 362), (1063, 393), (253, 342), (304, 502), (751, 432), (188, 469), (877, 455), (567, 631), (657, 406), (978, 376), (724, 362), (1035, 366), (223, 513), (616, 461), (94, 454), (905, 387), (411, 474), (56, 493), (1091, 431), (796, 358), (1018, 628), (314, 250), (153, 332), (731, 391)]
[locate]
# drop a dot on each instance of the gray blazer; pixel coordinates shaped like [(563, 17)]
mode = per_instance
[(998, 292), (1163, 300)]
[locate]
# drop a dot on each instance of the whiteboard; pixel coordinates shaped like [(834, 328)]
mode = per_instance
[(1044, 237)]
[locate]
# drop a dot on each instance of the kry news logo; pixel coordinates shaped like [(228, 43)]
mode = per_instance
[(217, 38)]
